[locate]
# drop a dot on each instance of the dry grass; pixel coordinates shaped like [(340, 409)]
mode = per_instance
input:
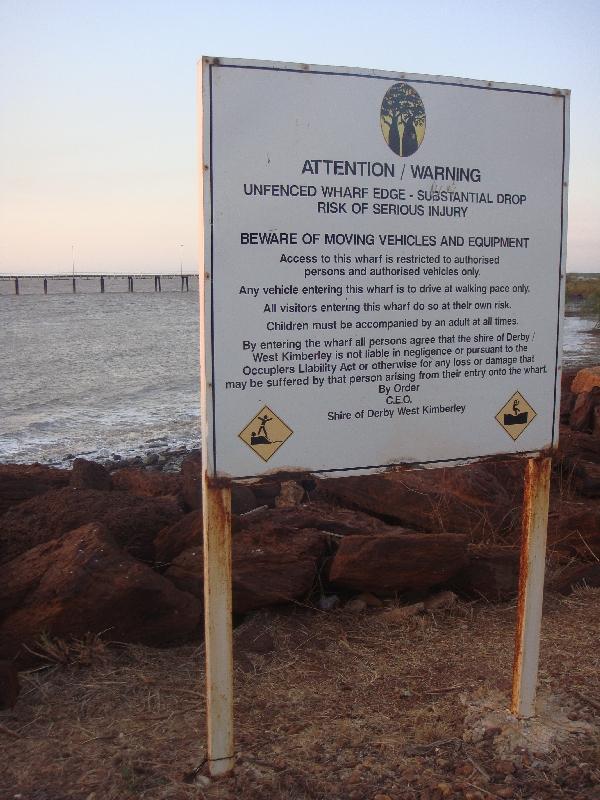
[(343, 706)]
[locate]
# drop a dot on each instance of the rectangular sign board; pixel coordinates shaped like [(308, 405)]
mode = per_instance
[(383, 267)]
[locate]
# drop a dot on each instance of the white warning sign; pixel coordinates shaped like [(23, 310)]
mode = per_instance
[(383, 260)]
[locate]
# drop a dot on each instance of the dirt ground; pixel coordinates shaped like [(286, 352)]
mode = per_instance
[(328, 706)]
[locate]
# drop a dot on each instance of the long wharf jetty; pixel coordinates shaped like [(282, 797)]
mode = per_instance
[(100, 283)]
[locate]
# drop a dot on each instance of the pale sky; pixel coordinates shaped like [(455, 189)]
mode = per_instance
[(98, 106)]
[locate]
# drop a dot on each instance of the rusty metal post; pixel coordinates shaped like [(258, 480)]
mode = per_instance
[(531, 586), (218, 626)]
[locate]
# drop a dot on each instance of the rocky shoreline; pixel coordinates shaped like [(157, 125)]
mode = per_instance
[(115, 548)]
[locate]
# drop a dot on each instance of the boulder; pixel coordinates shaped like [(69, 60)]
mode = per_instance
[(460, 500), (574, 527), (583, 412), (510, 475), (242, 499), (492, 574), (397, 562), (585, 380), (271, 569), (187, 532), (586, 479), (291, 494), (133, 521), (268, 568), (20, 482), (143, 483), (574, 446), (90, 475), (174, 539), (320, 515), (567, 398), (576, 575), (21, 576), (9, 684), (85, 583), (191, 477), (266, 491), (577, 463)]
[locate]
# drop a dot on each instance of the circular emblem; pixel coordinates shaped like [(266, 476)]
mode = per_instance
[(402, 119)]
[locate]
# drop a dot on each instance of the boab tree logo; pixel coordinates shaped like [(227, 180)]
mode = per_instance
[(402, 119)]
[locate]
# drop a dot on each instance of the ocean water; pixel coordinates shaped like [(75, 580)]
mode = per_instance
[(96, 374)]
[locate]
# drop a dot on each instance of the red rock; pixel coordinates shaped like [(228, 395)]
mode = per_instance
[(187, 571), (596, 421), (585, 380), (9, 684), (20, 482), (90, 475), (397, 562), (187, 532), (576, 575), (461, 500), (18, 582), (291, 494), (575, 445), (268, 568), (174, 539), (144, 483), (191, 476), (510, 475), (574, 527), (583, 412), (491, 574), (266, 492), (242, 499), (133, 521), (577, 464), (567, 398), (586, 479), (85, 583), (324, 516)]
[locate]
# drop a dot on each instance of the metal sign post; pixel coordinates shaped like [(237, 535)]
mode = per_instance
[(531, 585), (216, 517)]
